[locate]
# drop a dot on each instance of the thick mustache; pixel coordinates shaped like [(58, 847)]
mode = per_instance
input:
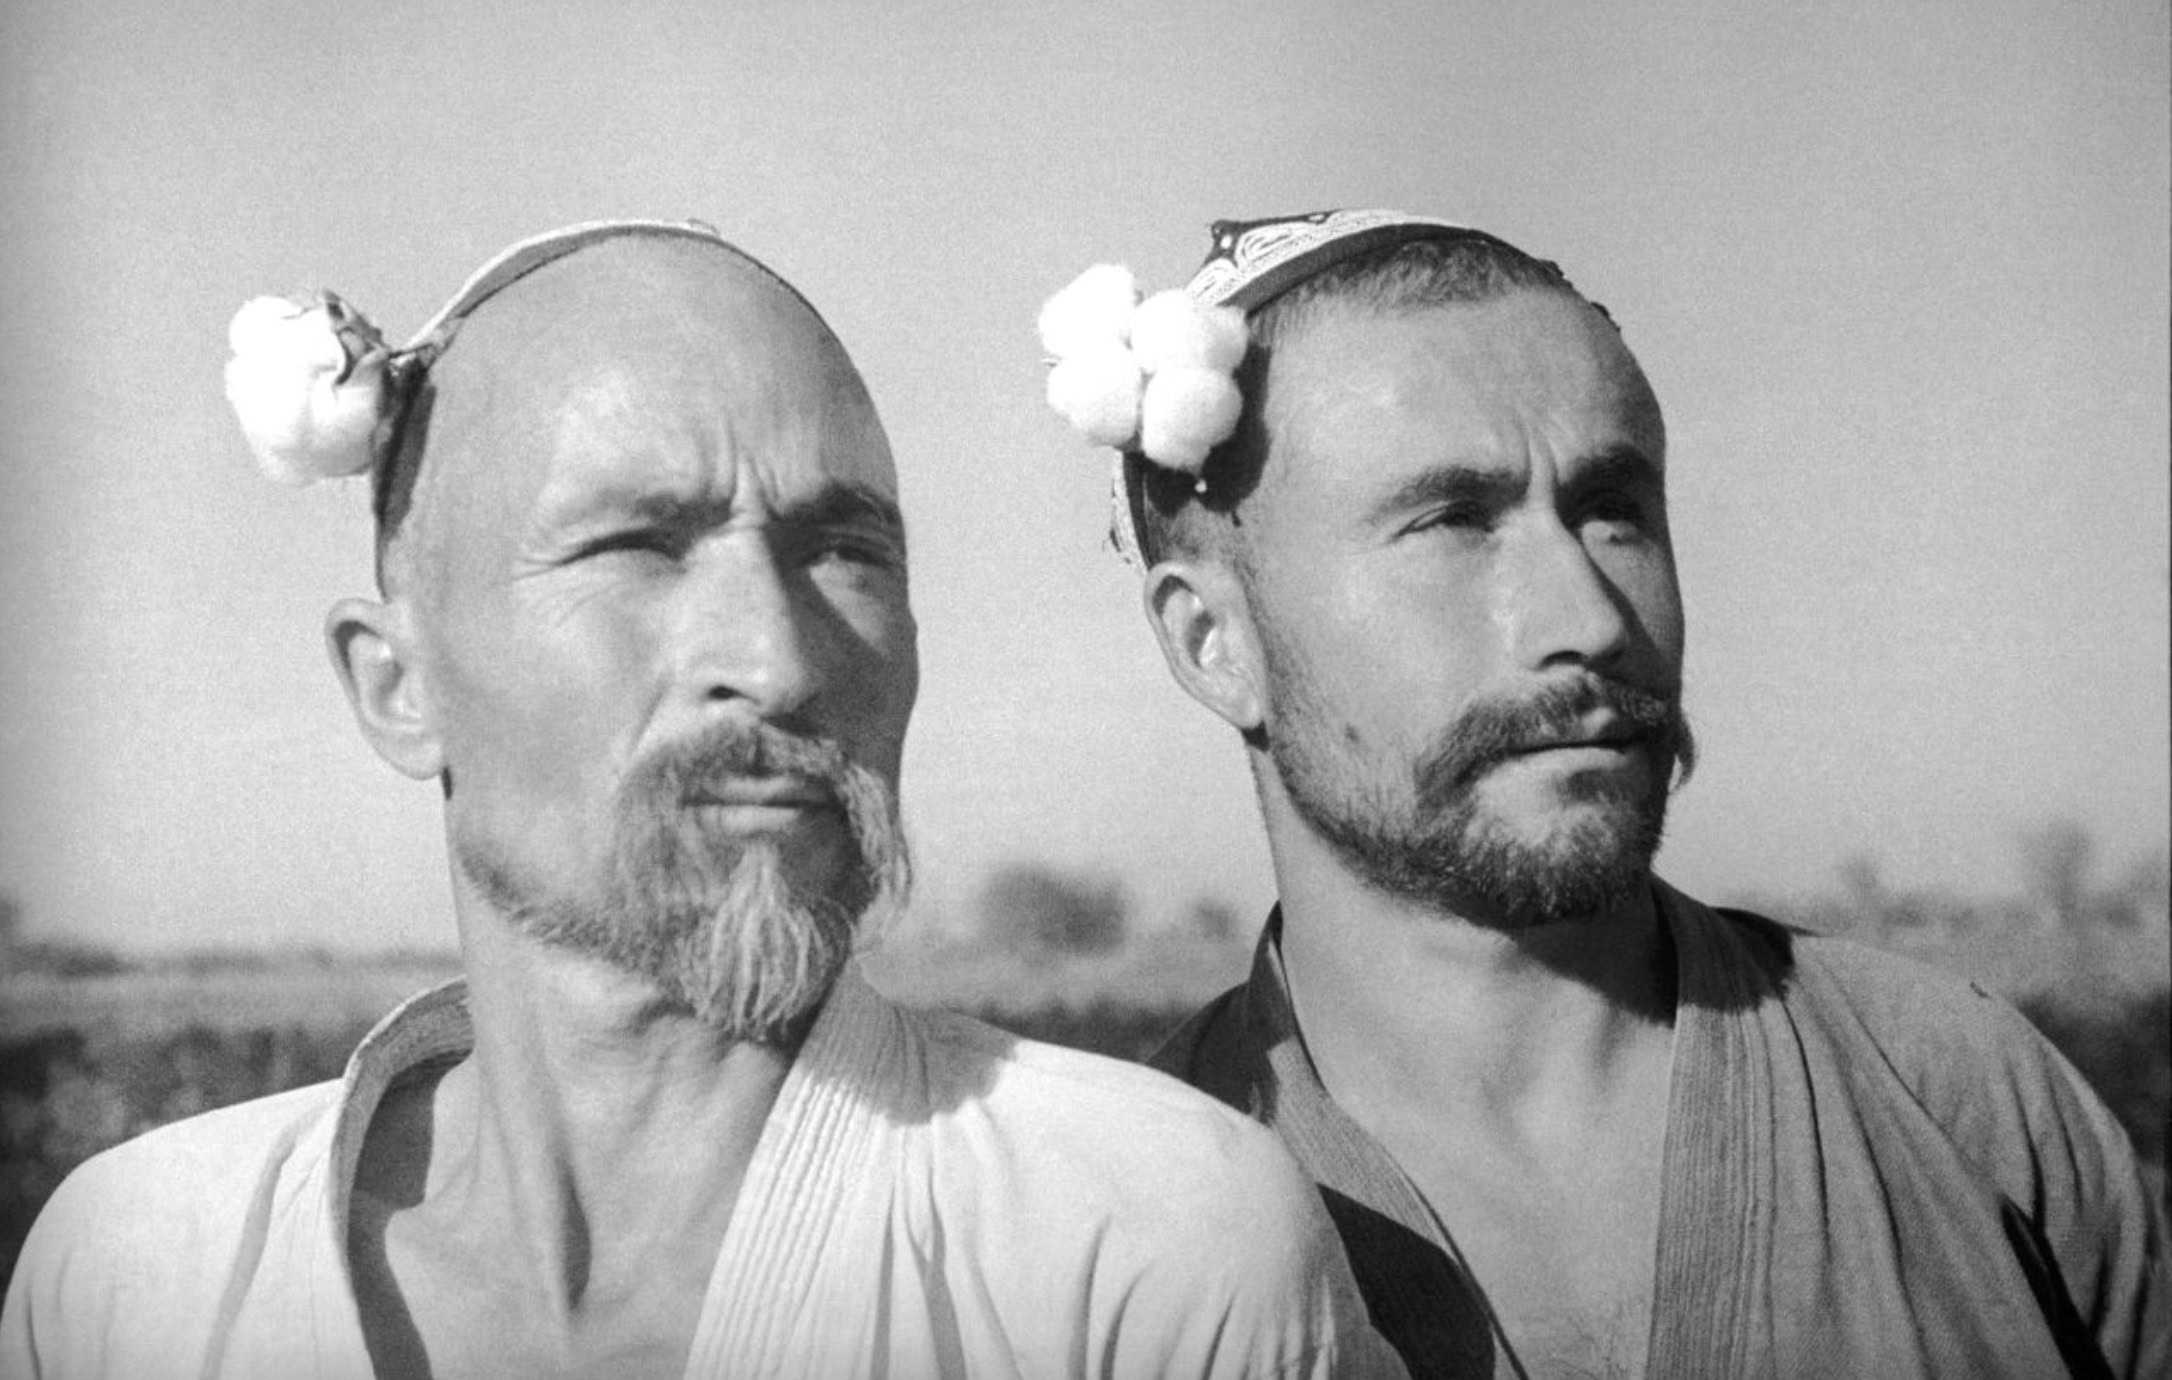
[(1492, 731), (670, 847), (721, 759)]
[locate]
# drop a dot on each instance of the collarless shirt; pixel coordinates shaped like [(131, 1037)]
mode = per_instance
[(929, 1196), (1870, 1168)]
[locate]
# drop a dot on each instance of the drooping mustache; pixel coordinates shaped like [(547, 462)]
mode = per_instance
[(1490, 732), (692, 769), (658, 836), (748, 933)]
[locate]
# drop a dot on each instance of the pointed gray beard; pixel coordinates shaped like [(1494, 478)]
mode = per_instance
[(723, 929)]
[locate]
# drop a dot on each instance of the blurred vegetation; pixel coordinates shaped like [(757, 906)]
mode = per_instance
[(95, 1048), (1050, 912), (2084, 951), (1052, 954)]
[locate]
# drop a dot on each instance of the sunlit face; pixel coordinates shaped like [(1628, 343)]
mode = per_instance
[(1458, 566), (661, 590)]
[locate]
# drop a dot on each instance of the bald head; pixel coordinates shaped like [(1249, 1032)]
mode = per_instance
[(647, 617), (636, 331)]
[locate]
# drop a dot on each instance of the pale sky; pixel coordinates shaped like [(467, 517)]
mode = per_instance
[(1897, 271)]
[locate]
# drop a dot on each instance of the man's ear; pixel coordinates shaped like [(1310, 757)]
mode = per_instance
[(1204, 626), (374, 654)]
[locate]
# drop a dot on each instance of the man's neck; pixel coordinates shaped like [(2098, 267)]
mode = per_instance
[(1520, 1079), (1405, 1002), (603, 1111), (594, 1137)]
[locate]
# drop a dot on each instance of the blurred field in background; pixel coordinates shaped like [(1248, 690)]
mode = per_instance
[(95, 1049)]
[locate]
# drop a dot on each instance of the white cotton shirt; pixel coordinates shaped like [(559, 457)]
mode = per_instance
[(930, 1197)]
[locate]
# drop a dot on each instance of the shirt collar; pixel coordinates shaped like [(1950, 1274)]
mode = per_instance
[(850, 1043)]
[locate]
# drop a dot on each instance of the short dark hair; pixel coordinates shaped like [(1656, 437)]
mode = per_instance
[(1176, 511), (399, 459)]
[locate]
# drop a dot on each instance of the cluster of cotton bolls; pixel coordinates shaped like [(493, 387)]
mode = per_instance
[(307, 382), (1156, 376)]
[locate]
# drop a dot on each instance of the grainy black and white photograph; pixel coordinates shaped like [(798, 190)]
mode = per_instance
[(1035, 690)]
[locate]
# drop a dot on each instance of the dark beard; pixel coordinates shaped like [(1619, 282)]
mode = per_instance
[(723, 929), (1434, 846)]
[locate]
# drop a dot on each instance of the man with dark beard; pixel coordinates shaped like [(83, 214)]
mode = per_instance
[(644, 621), (1398, 492)]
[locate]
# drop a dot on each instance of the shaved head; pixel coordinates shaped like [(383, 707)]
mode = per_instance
[(647, 623), (627, 323)]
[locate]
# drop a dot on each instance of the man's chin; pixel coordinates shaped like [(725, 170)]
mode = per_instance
[(1577, 862), (1563, 826)]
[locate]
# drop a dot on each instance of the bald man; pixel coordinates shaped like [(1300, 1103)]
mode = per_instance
[(644, 622)]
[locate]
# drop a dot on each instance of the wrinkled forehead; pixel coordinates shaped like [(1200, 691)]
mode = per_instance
[(649, 353), (1460, 378)]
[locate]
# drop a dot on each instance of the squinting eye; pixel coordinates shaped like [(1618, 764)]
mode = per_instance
[(639, 541), (853, 549), (1620, 511), (1460, 517)]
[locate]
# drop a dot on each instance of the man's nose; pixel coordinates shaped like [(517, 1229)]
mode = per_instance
[(744, 636), (1562, 605)]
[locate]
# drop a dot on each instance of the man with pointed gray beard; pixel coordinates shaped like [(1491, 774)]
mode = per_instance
[(643, 622), (717, 923)]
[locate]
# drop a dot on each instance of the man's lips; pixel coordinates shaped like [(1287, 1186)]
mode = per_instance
[(763, 793), (1623, 737)]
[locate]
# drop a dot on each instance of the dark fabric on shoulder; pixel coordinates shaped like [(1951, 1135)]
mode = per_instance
[(1209, 1052), (1244, 1049), (1766, 942), (1417, 1298)]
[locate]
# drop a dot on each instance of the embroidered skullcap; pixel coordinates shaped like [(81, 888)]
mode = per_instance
[(1252, 262)]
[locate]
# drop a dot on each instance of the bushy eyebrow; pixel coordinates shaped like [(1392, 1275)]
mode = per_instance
[(838, 503), (1623, 466), (844, 504), (1616, 466), (1447, 484)]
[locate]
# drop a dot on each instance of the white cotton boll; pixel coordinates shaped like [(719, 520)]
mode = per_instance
[(344, 417), (1098, 393), (1186, 413), (302, 420), (271, 401), (1092, 313), (1171, 331), (276, 326), (258, 324), (1228, 337)]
